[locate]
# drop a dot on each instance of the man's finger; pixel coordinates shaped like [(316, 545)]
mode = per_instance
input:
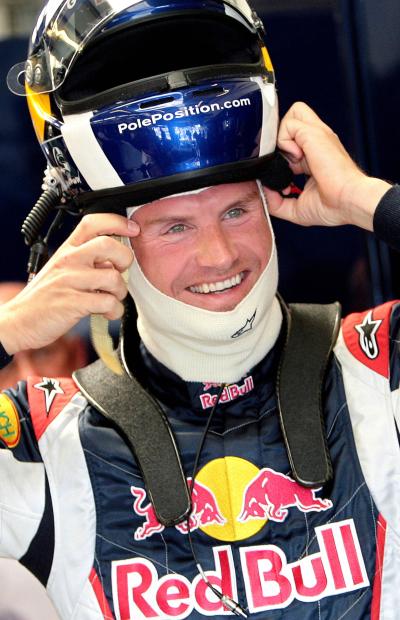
[(106, 280), (302, 112), (292, 135), (105, 304), (283, 208), (100, 224), (103, 249)]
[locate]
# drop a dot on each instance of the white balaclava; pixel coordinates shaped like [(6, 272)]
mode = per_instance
[(203, 345)]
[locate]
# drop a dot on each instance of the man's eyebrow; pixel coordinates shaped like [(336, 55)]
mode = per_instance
[(167, 219), (174, 217), (243, 202)]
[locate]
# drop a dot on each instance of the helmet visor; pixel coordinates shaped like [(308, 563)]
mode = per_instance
[(62, 38), (62, 34), (242, 7)]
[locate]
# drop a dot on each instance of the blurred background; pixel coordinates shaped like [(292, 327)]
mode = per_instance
[(340, 56)]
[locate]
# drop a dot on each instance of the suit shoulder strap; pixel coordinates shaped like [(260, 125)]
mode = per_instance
[(312, 331), (147, 432)]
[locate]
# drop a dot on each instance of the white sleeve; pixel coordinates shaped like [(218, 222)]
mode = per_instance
[(22, 502)]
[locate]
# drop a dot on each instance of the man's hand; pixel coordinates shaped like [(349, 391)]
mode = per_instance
[(83, 277), (337, 192)]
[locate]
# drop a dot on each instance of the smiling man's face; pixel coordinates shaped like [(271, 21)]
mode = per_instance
[(207, 249)]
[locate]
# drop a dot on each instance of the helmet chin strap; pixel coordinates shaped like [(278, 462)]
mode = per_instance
[(103, 344), (101, 339)]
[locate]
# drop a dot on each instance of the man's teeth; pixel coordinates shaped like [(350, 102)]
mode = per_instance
[(217, 287)]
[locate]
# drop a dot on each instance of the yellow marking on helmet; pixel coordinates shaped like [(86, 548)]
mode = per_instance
[(267, 59), (40, 111)]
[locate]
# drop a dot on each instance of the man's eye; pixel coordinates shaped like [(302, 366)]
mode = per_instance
[(178, 228), (234, 213)]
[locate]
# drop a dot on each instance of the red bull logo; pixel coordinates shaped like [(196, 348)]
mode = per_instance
[(205, 511), (231, 392), (150, 525), (271, 582), (234, 487), (270, 494)]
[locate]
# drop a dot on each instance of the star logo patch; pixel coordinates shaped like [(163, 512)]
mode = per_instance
[(247, 327), (50, 387), (367, 335)]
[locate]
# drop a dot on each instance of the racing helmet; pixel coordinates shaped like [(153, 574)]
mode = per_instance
[(133, 100)]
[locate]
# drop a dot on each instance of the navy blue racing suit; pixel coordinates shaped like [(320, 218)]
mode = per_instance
[(280, 550)]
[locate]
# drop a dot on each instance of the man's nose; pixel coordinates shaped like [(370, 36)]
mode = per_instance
[(216, 249)]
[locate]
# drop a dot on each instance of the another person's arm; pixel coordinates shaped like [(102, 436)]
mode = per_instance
[(337, 191)]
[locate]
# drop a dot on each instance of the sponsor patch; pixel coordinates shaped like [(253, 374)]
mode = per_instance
[(205, 511), (248, 326), (50, 387), (185, 111), (10, 427), (270, 494), (271, 580), (235, 510), (47, 398), (231, 392), (366, 335)]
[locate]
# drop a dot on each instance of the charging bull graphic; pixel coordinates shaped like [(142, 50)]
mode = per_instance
[(270, 494), (205, 511), (151, 525)]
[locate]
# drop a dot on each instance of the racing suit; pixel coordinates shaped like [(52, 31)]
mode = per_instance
[(279, 549)]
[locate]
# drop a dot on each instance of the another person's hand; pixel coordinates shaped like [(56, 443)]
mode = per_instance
[(337, 191), (83, 277)]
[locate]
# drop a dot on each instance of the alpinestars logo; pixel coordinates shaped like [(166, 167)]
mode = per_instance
[(367, 335), (50, 387), (246, 327)]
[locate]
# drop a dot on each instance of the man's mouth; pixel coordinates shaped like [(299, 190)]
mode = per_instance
[(218, 287)]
